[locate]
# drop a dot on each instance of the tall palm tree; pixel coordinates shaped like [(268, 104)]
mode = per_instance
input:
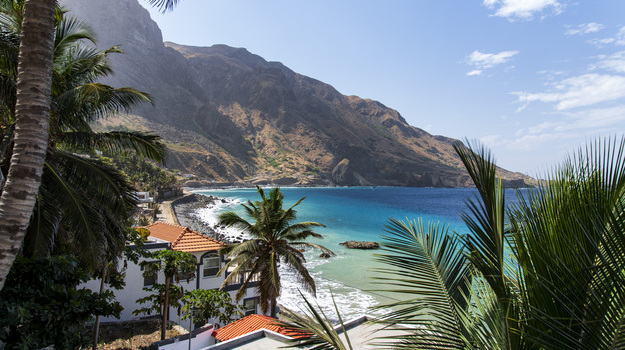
[(32, 115), (31, 140), (82, 199), (274, 240)]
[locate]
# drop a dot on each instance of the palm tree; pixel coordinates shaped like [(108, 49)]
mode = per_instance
[(82, 200), (274, 241), (32, 115), (31, 140)]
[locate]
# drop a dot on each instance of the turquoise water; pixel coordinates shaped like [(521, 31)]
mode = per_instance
[(356, 213)]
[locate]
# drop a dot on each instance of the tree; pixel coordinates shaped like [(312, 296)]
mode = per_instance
[(274, 241), (207, 304), (32, 118), (175, 265), (31, 139), (81, 198), (40, 305)]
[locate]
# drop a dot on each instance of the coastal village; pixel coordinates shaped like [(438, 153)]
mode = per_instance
[(159, 195)]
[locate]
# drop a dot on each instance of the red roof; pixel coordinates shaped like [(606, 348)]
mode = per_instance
[(250, 324), (183, 238)]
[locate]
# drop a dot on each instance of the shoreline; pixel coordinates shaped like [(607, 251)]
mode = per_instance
[(185, 210)]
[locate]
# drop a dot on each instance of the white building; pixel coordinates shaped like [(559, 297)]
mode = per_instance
[(144, 197), (206, 252)]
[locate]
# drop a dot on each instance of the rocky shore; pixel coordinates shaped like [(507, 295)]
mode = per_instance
[(185, 210)]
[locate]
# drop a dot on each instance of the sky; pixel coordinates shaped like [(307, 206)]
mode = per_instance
[(534, 80)]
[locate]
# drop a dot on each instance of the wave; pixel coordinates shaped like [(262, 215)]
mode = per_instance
[(351, 302)]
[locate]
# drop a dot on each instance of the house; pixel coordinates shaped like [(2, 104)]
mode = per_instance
[(261, 332), (144, 197), (208, 262)]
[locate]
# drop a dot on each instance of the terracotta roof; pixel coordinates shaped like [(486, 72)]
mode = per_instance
[(249, 324), (183, 238)]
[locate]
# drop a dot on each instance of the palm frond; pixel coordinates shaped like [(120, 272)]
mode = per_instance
[(570, 239), (428, 271), (116, 142), (313, 329), (164, 5)]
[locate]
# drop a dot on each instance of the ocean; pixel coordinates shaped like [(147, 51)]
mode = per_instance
[(351, 213)]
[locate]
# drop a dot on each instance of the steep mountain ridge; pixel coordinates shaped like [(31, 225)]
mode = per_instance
[(229, 115)]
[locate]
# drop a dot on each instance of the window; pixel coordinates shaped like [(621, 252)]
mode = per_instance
[(150, 279), (249, 306), (210, 265)]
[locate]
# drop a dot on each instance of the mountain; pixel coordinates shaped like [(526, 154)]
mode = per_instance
[(230, 116)]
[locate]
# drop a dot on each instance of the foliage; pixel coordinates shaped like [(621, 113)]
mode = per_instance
[(40, 305), (419, 258), (155, 302), (144, 174), (175, 266), (311, 328), (274, 241), (207, 304), (82, 200)]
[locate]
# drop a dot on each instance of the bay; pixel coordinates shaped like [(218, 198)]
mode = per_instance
[(352, 213)]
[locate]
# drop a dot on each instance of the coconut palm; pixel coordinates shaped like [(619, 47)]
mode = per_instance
[(31, 140), (82, 200), (32, 115), (274, 241)]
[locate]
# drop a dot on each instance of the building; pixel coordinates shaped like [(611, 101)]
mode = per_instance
[(258, 332), (208, 261)]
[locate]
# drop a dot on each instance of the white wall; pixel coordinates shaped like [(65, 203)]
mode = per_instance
[(134, 290)]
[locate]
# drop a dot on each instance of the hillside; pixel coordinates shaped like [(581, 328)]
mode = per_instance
[(231, 116)]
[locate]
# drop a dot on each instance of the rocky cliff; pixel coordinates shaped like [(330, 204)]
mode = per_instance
[(229, 115)]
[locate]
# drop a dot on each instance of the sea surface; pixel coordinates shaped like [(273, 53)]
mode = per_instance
[(351, 213)]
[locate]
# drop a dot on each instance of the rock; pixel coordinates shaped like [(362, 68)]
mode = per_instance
[(324, 255), (360, 245)]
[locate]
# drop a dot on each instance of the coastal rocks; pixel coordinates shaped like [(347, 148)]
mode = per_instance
[(325, 255), (360, 245)]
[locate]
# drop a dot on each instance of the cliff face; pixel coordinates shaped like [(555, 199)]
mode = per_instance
[(229, 115)]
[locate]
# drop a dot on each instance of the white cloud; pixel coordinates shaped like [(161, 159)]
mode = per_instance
[(618, 39), (583, 90), (620, 36), (578, 125), (522, 9), (601, 42), (614, 63), (482, 61), (585, 28)]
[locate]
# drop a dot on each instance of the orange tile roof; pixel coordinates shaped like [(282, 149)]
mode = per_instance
[(183, 238), (249, 324)]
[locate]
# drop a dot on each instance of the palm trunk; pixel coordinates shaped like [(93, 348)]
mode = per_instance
[(165, 309), (31, 132), (96, 326), (274, 307)]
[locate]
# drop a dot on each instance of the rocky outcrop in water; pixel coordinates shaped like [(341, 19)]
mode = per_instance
[(360, 245)]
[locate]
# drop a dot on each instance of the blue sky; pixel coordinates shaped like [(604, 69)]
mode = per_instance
[(532, 79)]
